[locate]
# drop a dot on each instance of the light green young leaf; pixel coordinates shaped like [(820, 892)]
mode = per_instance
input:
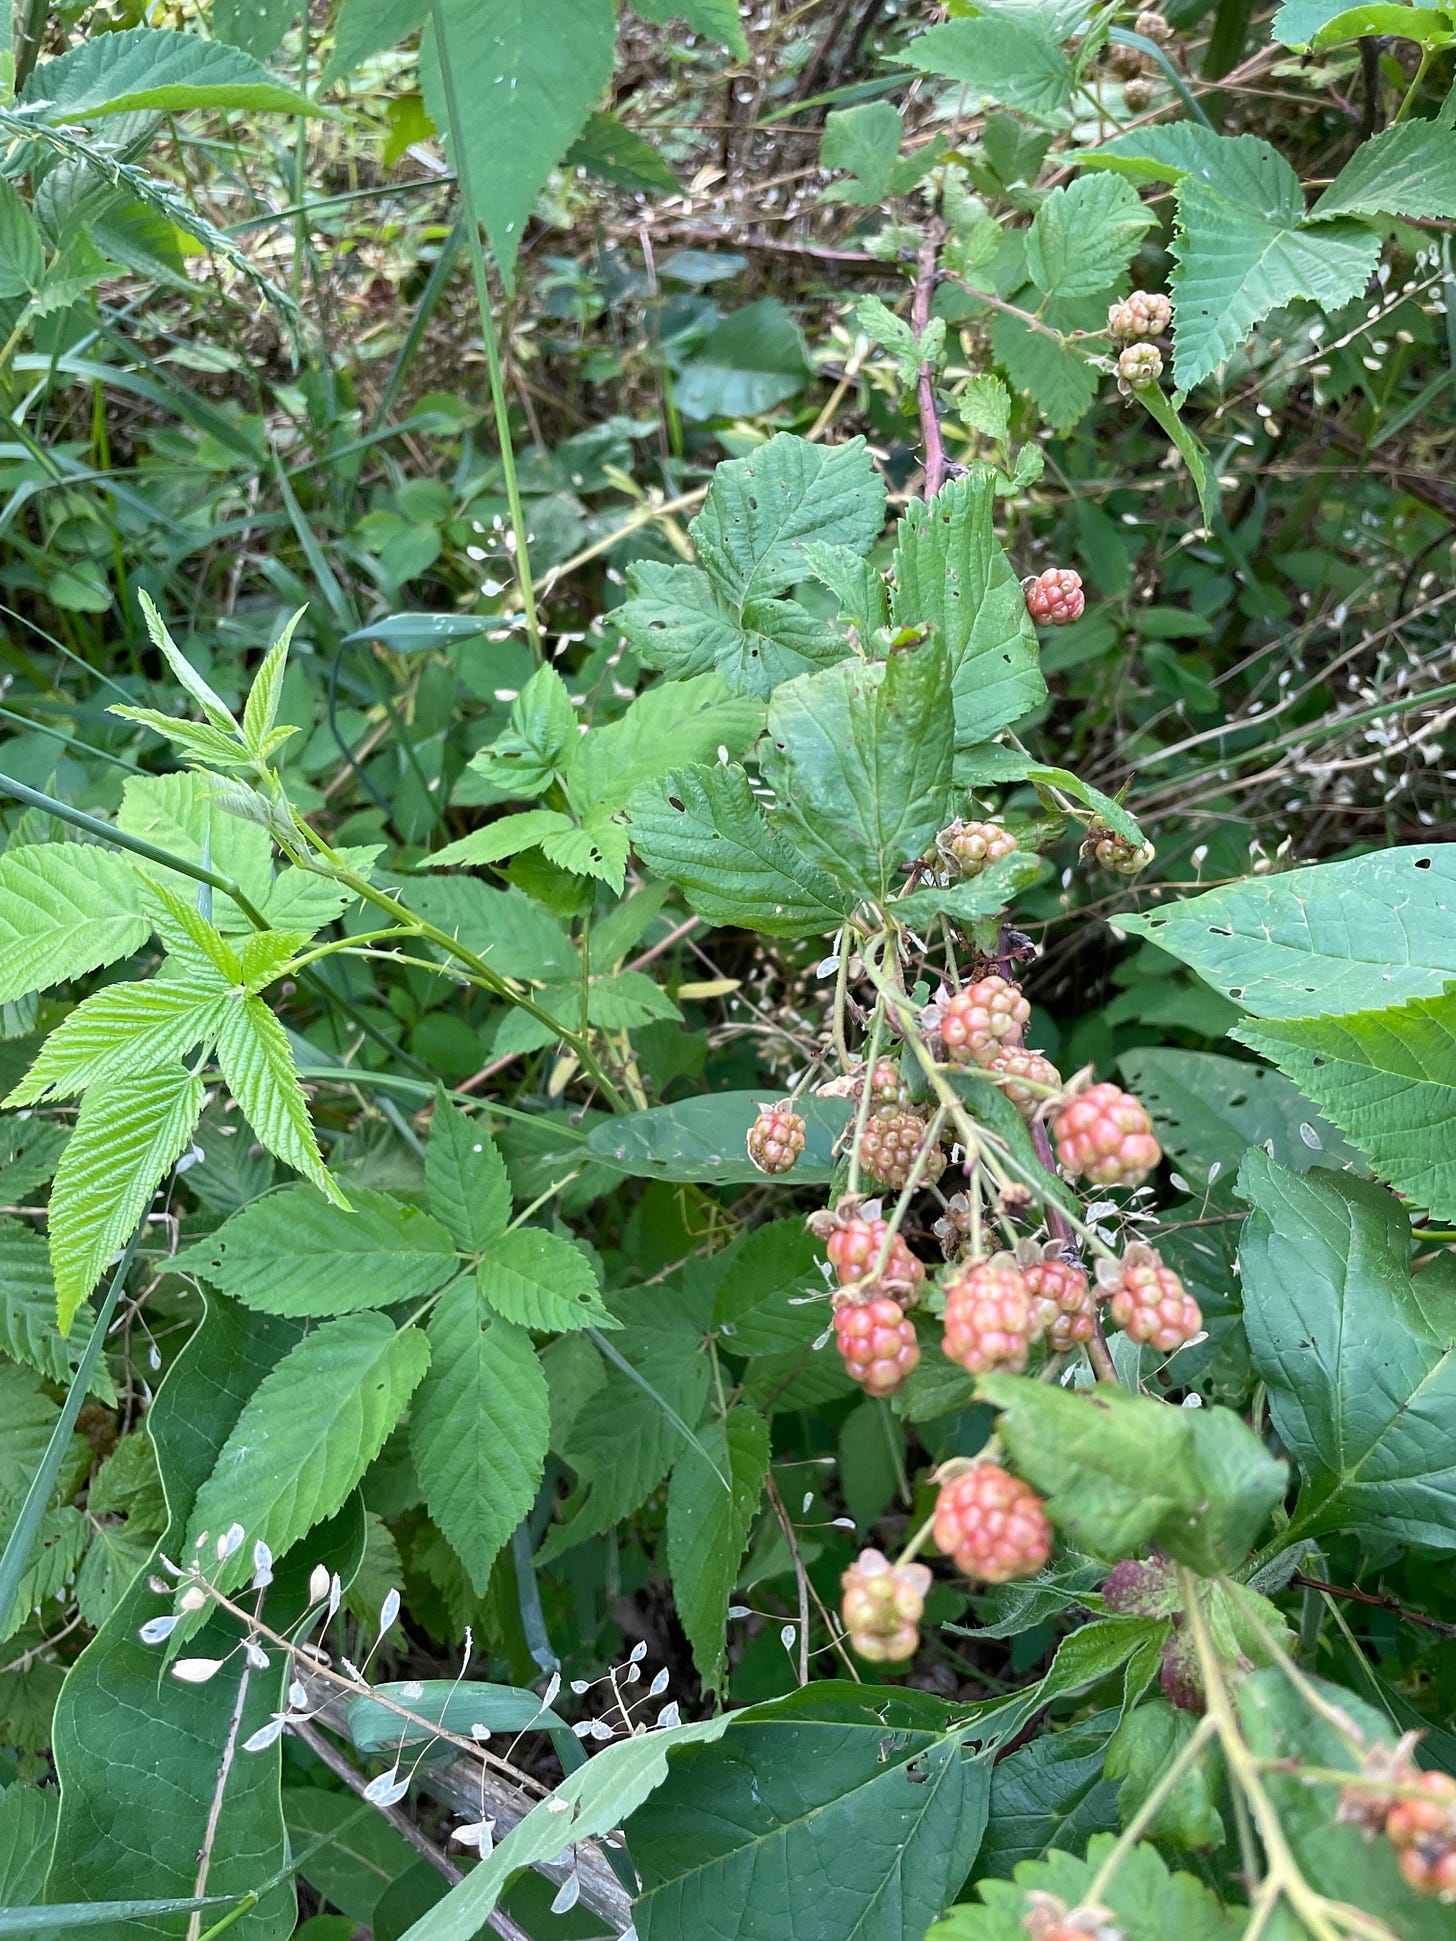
[(28, 1331), (1356, 1352), (717, 20), (261, 708), (65, 908), (874, 317), (860, 759), (1156, 402), (1083, 235), (999, 58), (864, 141), (157, 70), (1387, 1079), (195, 741), (540, 1281), (702, 829), (708, 1525), (257, 26), (537, 741), (292, 1252), (212, 704), (677, 622), (466, 1178), (1357, 935), (628, 999), (128, 1133), (306, 1435), (598, 848), (125, 1031), (185, 813), (22, 256), (951, 574), (522, 104), (858, 585), (508, 835), (985, 406), (484, 1373), (257, 1064)]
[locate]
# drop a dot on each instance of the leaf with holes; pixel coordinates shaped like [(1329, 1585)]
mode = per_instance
[(540, 1281)]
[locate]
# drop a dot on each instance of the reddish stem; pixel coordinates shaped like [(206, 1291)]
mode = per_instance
[(925, 279)]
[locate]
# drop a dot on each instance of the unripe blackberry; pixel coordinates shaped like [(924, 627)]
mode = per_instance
[(988, 1315), (888, 1090), (892, 1143), (1368, 1806), (971, 846), (977, 1022), (1135, 1588), (1138, 93), (1054, 598), (1146, 313), (877, 1342), (1106, 1135), (1152, 26), (882, 1606), (1063, 1310), (854, 1246), (776, 1138), (1048, 1918), (1149, 1302), (1180, 1674), (1126, 61), (1139, 366), (992, 1525), (1423, 1832), (1026, 1077), (1105, 846)]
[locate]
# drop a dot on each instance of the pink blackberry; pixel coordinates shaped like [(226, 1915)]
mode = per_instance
[(992, 1525), (1105, 1135)]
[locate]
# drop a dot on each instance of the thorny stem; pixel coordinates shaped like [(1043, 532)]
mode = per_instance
[(1391, 1604), (925, 279), (1326, 1920)]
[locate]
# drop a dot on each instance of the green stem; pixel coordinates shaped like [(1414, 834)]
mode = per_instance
[(1138, 1825), (21, 1541), (1407, 107), (488, 332)]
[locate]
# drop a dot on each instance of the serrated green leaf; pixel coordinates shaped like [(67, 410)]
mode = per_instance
[(184, 814), (860, 759), (1059, 383), (835, 1812), (1356, 935), (976, 897), (508, 835), (677, 622), (65, 909), (1407, 170), (716, 19), (466, 1177), (1356, 1353), (858, 585), (702, 829), (256, 1061), (1050, 1793), (28, 1329), (1147, 1902), (760, 510), (1122, 1470), (540, 1281), (127, 1136), (1084, 235), (598, 848), (627, 1000), (707, 1528), (524, 105), (366, 27), (306, 1435), (951, 573), (673, 724), (761, 1305), (864, 142), (294, 1253), (160, 71), (1014, 60), (22, 255), (484, 1374), (261, 708), (126, 1031), (1138, 1754), (59, 1546)]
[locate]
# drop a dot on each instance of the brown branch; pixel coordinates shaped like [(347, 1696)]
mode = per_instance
[(1391, 1604), (927, 265)]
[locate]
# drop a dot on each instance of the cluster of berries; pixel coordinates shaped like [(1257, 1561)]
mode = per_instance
[(1417, 1814)]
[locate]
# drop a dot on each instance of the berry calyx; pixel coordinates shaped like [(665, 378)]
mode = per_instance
[(1054, 598), (1027, 1078), (1139, 366), (776, 1138), (1125, 60), (892, 1143), (1423, 1832), (1112, 852), (1106, 1135), (877, 1342), (1048, 1918), (1383, 1767), (854, 1243), (992, 1525), (1149, 1302), (882, 1606), (989, 1318), (978, 1021), (971, 846), (1146, 313), (1063, 1310)]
